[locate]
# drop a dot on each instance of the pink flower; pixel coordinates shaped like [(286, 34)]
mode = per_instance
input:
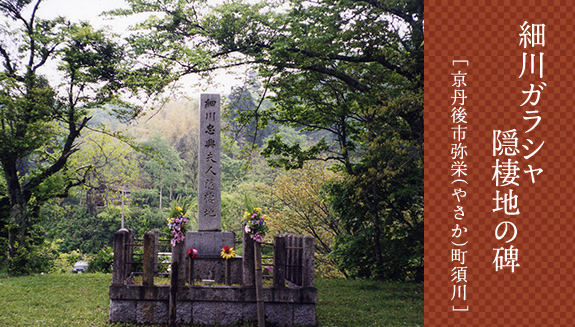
[(257, 237)]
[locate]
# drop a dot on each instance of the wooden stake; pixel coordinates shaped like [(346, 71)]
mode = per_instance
[(192, 282), (259, 285), (175, 282), (228, 273), (173, 293)]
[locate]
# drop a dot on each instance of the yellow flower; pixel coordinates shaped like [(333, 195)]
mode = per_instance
[(170, 220), (247, 215), (228, 252), (258, 210), (179, 209)]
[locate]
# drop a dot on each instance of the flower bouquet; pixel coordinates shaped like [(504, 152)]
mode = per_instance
[(177, 224), (256, 225)]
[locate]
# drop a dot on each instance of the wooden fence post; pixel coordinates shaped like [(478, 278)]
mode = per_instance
[(129, 253), (308, 261), (149, 262), (156, 234), (119, 270), (177, 279), (279, 260), (290, 257), (298, 259), (248, 278), (259, 285)]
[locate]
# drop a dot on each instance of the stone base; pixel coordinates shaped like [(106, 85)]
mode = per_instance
[(209, 243), (216, 313), (213, 305), (214, 269)]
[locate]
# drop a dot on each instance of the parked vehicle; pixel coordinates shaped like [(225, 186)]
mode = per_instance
[(80, 267)]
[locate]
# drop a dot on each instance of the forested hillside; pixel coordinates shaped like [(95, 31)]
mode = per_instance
[(326, 136), (156, 166)]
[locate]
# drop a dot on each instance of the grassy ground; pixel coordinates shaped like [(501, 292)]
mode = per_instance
[(347, 303), (82, 300)]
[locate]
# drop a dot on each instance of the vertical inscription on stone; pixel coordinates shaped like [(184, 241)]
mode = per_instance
[(209, 174)]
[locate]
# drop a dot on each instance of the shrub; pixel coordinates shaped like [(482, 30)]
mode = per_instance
[(65, 261), (144, 197), (102, 261)]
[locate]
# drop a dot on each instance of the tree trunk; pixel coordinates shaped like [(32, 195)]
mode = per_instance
[(18, 213), (376, 236), (161, 191), (373, 198)]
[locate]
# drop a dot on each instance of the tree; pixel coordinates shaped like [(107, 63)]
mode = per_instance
[(353, 69), (164, 167), (40, 121), (243, 127), (105, 164), (300, 206)]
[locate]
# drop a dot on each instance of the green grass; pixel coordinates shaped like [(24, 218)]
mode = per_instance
[(55, 300), (347, 303), (82, 300)]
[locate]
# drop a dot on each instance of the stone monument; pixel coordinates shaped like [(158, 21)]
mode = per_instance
[(209, 239)]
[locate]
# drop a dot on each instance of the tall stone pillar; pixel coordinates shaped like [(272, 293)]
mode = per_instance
[(209, 240), (209, 174)]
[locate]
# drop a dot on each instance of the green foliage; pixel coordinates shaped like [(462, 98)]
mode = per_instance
[(41, 119), (37, 256), (352, 71), (146, 218), (164, 167), (248, 130), (88, 232), (4, 226), (78, 229), (65, 261), (182, 206), (106, 164), (145, 197), (233, 172), (102, 261), (300, 206), (400, 234)]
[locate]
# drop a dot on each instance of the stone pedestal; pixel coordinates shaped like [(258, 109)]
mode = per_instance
[(209, 243)]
